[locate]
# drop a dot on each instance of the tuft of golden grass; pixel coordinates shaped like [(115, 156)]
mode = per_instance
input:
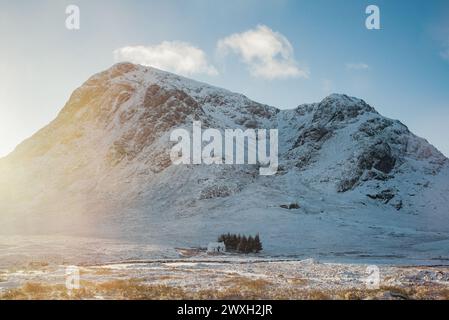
[(102, 271), (34, 291), (247, 283), (133, 289), (421, 292), (297, 281), (37, 264)]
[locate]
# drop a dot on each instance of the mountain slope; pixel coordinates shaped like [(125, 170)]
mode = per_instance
[(364, 183)]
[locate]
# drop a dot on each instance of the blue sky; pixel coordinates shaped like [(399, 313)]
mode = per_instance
[(402, 69)]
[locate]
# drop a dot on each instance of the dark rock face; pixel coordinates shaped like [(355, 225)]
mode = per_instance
[(374, 163), (314, 134), (339, 108), (375, 175), (374, 126), (398, 205), (163, 109), (348, 183), (303, 161), (379, 157), (216, 191), (384, 195), (291, 206), (262, 111), (309, 143)]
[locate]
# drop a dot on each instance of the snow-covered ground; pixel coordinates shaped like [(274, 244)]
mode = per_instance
[(227, 277)]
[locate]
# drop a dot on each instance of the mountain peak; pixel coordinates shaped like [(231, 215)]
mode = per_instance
[(341, 98), (108, 152)]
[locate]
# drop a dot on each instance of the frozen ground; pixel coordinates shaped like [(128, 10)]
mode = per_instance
[(331, 230), (34, 267), (227, 278)]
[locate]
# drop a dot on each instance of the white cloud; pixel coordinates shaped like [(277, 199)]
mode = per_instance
[(357, 66), (174, 56), (267, 53)]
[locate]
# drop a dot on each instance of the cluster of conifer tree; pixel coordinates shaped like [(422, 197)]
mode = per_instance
[(241, 243)]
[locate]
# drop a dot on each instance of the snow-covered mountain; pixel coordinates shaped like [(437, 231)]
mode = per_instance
[(365, 184)]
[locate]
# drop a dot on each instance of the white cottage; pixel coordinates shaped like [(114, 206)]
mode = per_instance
[(216, 247)]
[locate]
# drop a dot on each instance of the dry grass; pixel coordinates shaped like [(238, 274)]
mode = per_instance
[(246, 283), (135, 290), (232, 288), (116, 289), (297, 281), (30, 266), (167, 277), (102, 271), (421, 292), (37, 264), (35, 291)]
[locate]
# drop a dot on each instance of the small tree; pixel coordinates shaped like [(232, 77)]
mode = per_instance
[(258, 244), (235, 241), (243, 245), (250, 244)]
